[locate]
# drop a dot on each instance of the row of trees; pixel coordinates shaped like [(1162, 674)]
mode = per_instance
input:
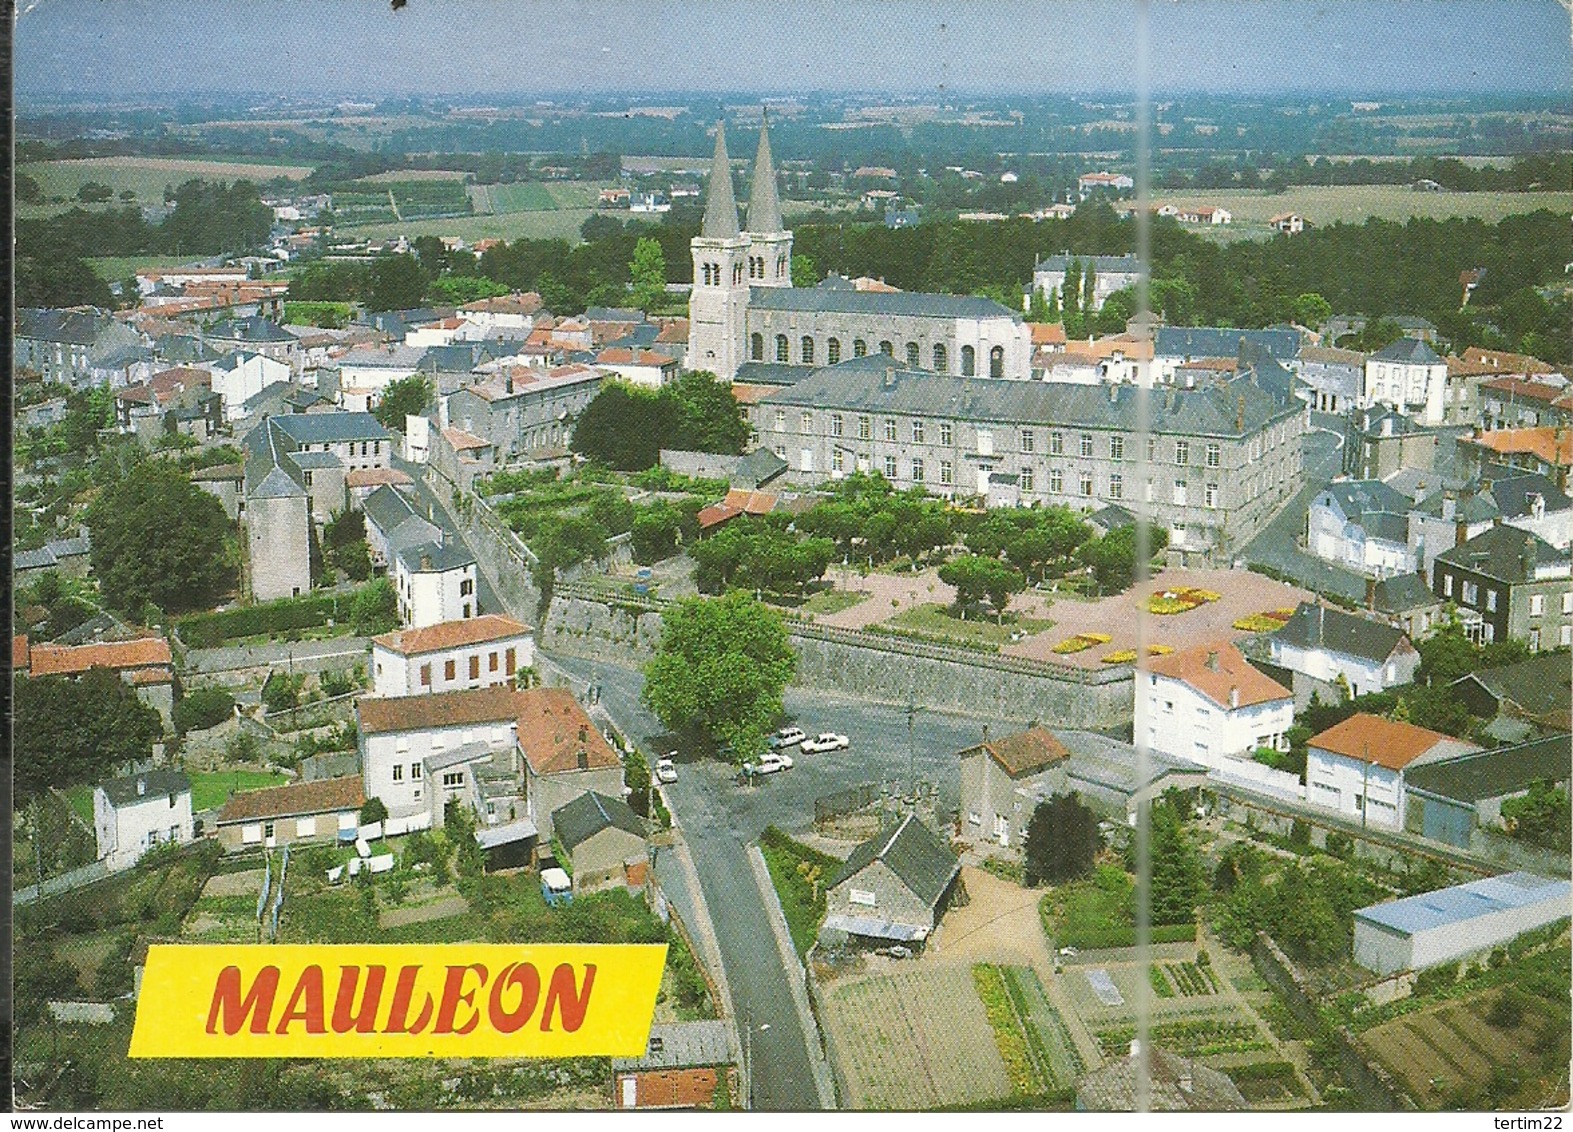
[(759, 556)]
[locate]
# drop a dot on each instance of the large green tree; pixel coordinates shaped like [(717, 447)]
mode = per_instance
[(397, 283), (1062, 840), (78, 731), (647, 272), (721, 668), (976, 577), (708, 417), (408, 396), (159, 538), (625, 427)]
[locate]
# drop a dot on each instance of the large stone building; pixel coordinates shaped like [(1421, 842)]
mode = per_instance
[(1221, 458), (743, 307), (1110, 273), (1509, 584), (522, 411)]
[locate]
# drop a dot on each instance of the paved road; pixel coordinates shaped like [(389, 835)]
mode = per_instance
[(1276, 545), (435, 507), (719, 819)]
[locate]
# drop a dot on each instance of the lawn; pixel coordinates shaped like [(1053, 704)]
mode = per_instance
[(800, 875), (827, 601), (211, 790), (82, 802), (563, 224), (1323, 204), (525, 196), (147, 176), (939, 623)]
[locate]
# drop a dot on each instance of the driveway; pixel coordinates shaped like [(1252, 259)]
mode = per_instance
[(1278, 543), (719, 819)]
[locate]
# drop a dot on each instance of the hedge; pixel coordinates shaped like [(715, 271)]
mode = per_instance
[(203, 708), (209, 630)]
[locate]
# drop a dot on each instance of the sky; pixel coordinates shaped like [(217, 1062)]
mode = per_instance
[(92, 48)]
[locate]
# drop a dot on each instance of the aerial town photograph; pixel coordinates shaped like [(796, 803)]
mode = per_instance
[(1023, 549)]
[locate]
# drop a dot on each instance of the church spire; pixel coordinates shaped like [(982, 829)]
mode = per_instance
[(720, 221), (764, 210)]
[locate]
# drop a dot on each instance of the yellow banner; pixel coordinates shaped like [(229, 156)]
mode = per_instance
[(397, 1000)]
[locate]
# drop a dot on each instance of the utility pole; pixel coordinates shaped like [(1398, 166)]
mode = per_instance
[(912, 757)]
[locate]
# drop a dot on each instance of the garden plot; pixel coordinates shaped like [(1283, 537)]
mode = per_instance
[(919, 1039), (1451, 1049)]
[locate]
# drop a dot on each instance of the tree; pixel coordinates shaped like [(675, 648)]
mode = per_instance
[(397, 283), (159, 538), (805, 273), (976, 577), (1113, 557), (654, 533), (709, 417), (647, 272), (1062, 840), (624, 427), (722, 666), (372, 810), (1311, 310), (408, 396), (1178, 878), (1038, 307), (375, 608), (93, 192), (78, 731), (28, 190), (456, 290), (1540, 816)]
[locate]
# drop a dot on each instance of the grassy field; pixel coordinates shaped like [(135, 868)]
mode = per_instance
[(211, 790), (564, 224), (394, 176), (147, 176), (936, 622), (1321, 204)]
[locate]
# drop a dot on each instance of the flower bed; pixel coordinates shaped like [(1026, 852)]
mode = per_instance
[(990, 983), (1182, 599), (1081, 642), (1125, 656), (1266, 622)]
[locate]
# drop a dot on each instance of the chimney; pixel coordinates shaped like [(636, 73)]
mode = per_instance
[(1460, 533), (1234, 695), (1370, 593), (1212, 660), (508, 382), (1387, 426), (141, 787), (425, 561), (1114, 393), (584, 760), (890, 377), (1239, 413)]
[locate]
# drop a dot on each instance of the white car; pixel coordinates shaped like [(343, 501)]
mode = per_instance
[(769, 764), (786, 737), (825, 741), (665, 771)]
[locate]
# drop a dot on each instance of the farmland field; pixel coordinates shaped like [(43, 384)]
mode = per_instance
[(919, 1039), (393, 176), (1322, 204), (146, 176), (564, 224)]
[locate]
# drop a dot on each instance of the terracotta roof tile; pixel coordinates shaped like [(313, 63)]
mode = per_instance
[(1370, 738), (554, 730), (60, 660), (1518, 387), (1553, 445), (1229, 672), (19, 651), (297, 799), (376, 477), (1504, 362), (1026, 751), (442, 709), (1047, 333), (452, 634), (461, 440)]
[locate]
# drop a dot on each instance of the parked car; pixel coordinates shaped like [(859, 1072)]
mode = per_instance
[(825, 741), (665, 771), (786, 737), (769, 764)]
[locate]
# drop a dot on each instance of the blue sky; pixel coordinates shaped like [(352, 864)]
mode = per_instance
[(461, 47)]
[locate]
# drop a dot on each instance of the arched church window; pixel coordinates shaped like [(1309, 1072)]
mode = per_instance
[(941, 362), (913, 357), (997, 362), (808, 350), (783, 351), (833, 351), (756, 347), (859, 348), (969, 361), (887, 349)]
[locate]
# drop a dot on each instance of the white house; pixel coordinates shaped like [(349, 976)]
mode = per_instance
[(506, 312), (1362, 525), (365, 372), (435, 582), (636, 366), (438, 333), (453, 655), (1210, 706), (240, 376), (131, 815), (1089, 183), (1110, 273), (1356, 768), (401, 737), (1408, 376), (1329, 645)]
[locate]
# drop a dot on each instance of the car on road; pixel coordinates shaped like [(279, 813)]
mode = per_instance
[(769, 764), (786, 737), (825, 741), (665, 771)]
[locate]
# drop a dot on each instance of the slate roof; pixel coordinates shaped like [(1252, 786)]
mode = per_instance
[(770, 373), (1537, 687), (387, 508), (614, 314), (1506, 554), (157, 784), (682, 1045), (1317, 627), (253, 329), (759, 466), (331, 428), (1469, 506), (876, 303), (1102, 264), (590, 813), (720, 221), (1512, 493), (1403, 592), (764, 209), (73, 327), (860, 385), (1357, 498), (405, 359), (1112, 517), (298, 799), (269, 471), (1461, 903), (1496, 773), (1222, 342), (913, 852), (431, 557), (1409, 351)]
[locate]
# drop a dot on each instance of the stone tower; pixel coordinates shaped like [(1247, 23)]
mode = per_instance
[(770, 244), (718, 303)]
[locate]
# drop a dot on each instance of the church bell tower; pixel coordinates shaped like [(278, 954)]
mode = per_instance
[(718, 303)]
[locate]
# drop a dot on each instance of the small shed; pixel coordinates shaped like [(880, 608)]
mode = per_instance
[(684, 1066), (893, 887), (600, 835), (1449, 924), (507, 846)]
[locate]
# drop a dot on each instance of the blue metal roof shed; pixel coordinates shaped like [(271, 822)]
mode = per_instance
[(1432, 928)]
